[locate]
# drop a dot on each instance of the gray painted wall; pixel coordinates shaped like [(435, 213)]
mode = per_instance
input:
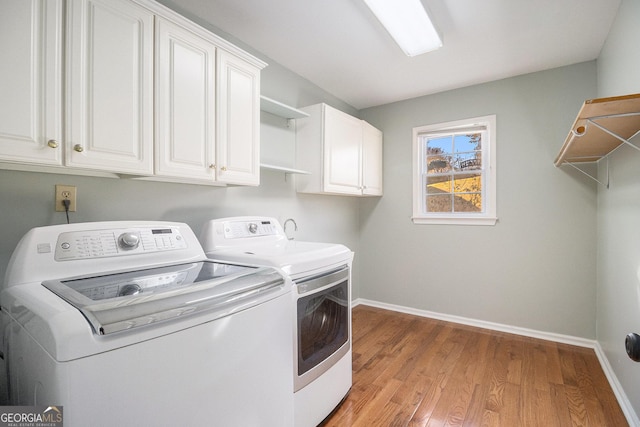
[(618, 310), (619, 60), (535, 268), (27, 200)]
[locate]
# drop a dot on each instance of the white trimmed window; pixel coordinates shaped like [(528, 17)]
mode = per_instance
[(454, 172)]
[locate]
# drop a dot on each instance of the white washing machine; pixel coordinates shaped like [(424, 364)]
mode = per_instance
[(129, 324), (321, 273)]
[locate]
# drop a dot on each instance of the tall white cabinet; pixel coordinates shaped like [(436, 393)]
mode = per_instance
[(342, 153), (31, 81), (109, 86), (185, 103), (147, 93), (238, 149)]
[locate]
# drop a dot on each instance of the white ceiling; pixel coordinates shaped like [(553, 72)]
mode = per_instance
[(340, 46)]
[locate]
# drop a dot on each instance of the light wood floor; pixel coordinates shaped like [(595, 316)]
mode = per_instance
[(414, 371)]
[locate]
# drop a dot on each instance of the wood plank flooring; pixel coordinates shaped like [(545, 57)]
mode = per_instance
[(414, 371)]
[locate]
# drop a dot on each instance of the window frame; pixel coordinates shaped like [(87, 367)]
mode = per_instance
[(488, 216)]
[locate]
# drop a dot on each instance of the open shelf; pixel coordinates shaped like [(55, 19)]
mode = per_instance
[(290, 114), (283, 169), (602, 125), (279, 109)]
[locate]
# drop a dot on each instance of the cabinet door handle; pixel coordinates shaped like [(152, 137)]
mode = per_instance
[(78, 148), (212, 166), (224, 168), (52, 143)]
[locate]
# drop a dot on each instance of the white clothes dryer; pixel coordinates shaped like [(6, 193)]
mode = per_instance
[(321, 273), (129, 324)]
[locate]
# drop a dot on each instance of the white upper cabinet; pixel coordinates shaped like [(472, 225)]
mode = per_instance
[(238, 142), (185, 103), (342, 145), (170, 101), (342, 153), (371, 160), (109, 86), (31, 81)]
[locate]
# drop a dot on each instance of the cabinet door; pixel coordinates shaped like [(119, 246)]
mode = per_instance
[(238, 142), (342, 142), (109, 86), (185, 103), (371, 160), (31, 81)]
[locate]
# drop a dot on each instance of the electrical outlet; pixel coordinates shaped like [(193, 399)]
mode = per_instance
[(65, 192)]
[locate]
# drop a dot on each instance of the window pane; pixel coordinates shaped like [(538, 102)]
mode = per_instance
[(438, 203), (438, 154), (467, 182), (440, 145), (468, 189), (470, 202), (438, 164), (439, 184), (469, 142), (467, 161)]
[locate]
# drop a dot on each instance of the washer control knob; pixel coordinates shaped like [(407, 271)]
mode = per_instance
[(253, 228), (129, 289), (128, 240)]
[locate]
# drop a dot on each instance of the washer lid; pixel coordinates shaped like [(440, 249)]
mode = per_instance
[(122, 301)]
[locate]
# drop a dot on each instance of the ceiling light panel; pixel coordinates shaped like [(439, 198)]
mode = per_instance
[(408, 23)]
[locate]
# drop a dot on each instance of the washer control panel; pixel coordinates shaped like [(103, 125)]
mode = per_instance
[(242, 229), (107, 243)]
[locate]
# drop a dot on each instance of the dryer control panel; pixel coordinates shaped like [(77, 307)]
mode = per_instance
[(249, 228), (121, 242)]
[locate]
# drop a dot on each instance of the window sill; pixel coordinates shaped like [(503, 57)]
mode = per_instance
[(455, 220)]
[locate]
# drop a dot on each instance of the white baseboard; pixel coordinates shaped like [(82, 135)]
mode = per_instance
[(623, 400), (549, 336)]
